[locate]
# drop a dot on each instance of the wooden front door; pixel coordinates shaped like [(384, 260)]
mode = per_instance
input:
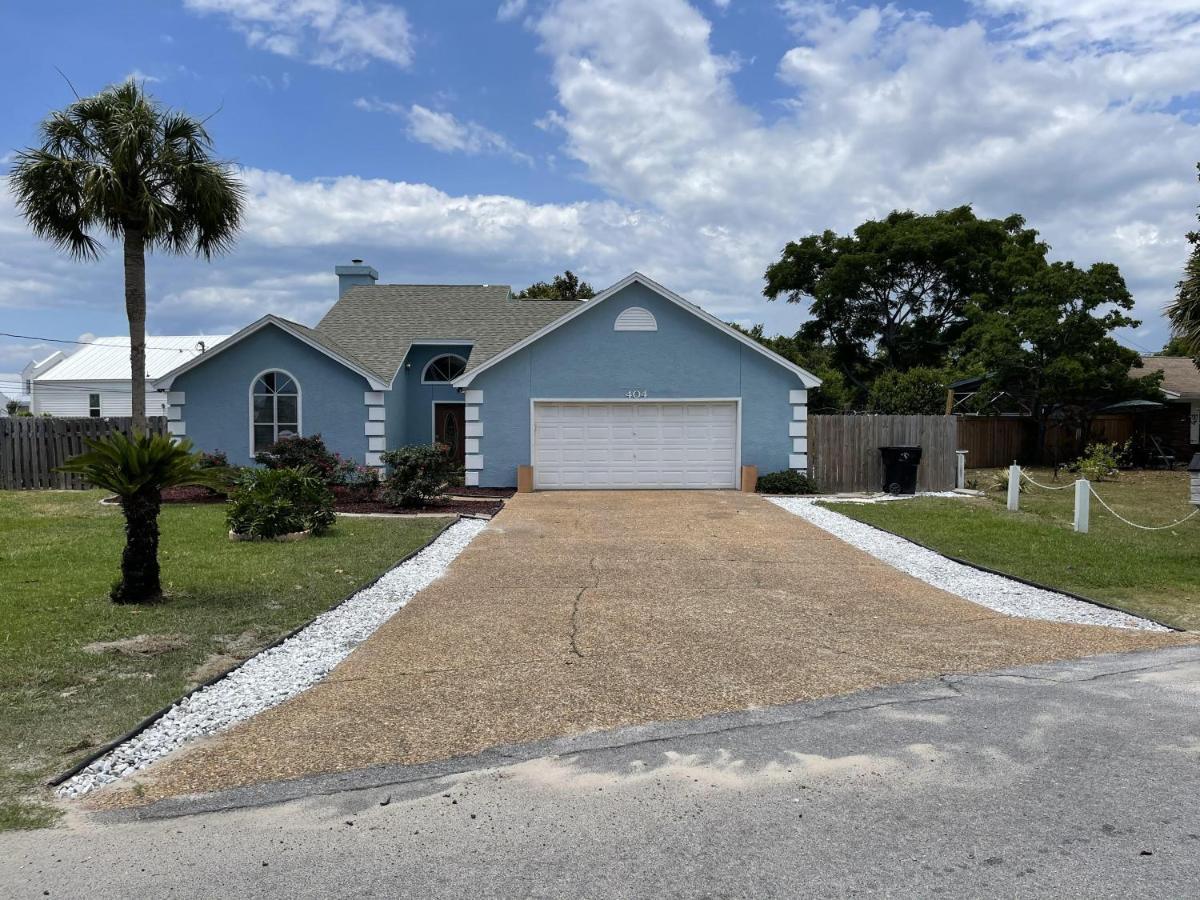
[(449, 428)]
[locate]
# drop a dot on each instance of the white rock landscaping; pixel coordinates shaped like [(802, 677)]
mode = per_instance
[(1004, 595), (281, 672)]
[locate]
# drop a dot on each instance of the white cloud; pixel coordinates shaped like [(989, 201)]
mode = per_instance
[(510, 9), (141, 77), (443, 131), (885, 109), (337, 34)]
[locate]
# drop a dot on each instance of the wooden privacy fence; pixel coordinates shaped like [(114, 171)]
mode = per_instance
[(31, 448), (843, 451), (996, 441)]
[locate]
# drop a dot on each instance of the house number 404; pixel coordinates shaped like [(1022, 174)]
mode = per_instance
[(635, 395)]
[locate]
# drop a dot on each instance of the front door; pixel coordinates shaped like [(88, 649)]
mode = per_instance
[(449, 428)]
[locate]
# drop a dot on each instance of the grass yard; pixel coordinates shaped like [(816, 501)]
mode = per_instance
[(59, 554), (1153, 573)]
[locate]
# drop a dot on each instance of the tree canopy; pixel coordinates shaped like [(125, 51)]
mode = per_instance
[(1184, 313), (905, 305), (566, 286), (894, 293)]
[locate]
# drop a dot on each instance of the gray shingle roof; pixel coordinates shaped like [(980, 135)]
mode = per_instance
[(376, 324), (1180, 374)]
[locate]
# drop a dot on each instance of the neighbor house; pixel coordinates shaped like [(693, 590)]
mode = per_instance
[(1179, 421), (635, 388), (95, 379)]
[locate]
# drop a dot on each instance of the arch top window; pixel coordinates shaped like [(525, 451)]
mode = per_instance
[(274, 409), (443, 368)]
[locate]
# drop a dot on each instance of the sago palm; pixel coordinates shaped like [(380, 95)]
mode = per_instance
[(119, 164), (137, 469)]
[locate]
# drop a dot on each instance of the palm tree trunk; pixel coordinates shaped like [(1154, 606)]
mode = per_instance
[(135, 310), (139, 561)]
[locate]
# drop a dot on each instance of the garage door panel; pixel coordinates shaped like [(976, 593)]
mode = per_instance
[(670, 444)]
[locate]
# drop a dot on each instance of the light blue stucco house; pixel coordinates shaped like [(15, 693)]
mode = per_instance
[(635, 388)]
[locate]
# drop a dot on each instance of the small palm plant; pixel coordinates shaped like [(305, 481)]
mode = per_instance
[(137, 469)]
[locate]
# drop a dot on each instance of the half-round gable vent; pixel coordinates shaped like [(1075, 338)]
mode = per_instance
[(636, 319)]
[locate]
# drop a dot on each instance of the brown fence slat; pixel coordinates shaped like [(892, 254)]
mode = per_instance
[(31, 448), (844, 450)]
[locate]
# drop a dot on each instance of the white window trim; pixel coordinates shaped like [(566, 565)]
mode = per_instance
[(736, 401), (425, 371), (250, 403), (99, 407)]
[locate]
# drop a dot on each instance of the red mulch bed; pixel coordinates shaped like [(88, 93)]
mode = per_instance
[(500, 493), (448, 507), (192, 495), (344, 501)]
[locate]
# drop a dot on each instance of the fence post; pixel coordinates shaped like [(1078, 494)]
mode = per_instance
[(1083, 500), (1014, 487), (960, 475)]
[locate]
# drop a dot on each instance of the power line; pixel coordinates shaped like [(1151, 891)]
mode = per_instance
[(30, 337)]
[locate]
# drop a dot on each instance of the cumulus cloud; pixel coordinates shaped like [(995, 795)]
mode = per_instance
[(443, 131), (1064, 111), (509, 10), (337, 34)]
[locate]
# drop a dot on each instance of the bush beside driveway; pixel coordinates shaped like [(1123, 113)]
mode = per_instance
[(576, 612)]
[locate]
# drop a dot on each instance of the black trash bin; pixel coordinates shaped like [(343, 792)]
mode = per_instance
[(900, 469)]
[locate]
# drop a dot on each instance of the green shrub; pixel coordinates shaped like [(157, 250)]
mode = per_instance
[(295, 452), (788, 481), (1100, 460), (416, 474), (268, 503)]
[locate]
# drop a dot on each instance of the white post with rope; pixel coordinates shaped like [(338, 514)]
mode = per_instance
[(1083, 501), (1014, 487)]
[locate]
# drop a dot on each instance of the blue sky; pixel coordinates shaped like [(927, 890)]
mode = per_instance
[(504, 141)]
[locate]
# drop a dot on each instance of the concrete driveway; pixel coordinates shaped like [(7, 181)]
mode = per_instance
[(582, 611)]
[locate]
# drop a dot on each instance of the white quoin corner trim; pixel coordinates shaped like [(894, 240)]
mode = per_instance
[(798, 431), (374, 429), (473, 414)]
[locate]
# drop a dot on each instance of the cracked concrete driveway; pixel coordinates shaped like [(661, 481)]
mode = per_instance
[(575, 612)]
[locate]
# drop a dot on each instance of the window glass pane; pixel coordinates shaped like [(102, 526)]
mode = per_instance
[(264, 436), (264, 411), (284, 385), (268, 383), (287, 431), (288, 408), (454, 367)]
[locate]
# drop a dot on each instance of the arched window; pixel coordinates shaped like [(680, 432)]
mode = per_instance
[(274, 409), (443, 368)]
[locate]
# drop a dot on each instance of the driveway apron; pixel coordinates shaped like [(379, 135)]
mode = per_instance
[(581, 611)]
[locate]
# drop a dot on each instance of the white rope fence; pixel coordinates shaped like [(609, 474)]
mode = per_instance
[(1083, 494), (1135, 524)]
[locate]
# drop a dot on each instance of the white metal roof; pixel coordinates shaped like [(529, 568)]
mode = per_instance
[(107, 358)]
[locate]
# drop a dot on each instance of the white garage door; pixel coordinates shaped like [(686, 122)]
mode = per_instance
[(634, 445)]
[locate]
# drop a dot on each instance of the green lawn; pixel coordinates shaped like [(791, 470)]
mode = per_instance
[(58, 558), (1154, 573)]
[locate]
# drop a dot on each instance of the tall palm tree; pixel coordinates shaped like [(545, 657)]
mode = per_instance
[(1184, 312), (118, 163)]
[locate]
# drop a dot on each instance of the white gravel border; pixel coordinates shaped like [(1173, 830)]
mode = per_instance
[(277, 674), (1004, 595)]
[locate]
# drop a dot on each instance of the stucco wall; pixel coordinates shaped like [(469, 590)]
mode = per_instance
[(216, 408), (419, 398), (586, 359)]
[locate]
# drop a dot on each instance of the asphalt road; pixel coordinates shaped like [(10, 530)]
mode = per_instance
[(1079, 778)]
